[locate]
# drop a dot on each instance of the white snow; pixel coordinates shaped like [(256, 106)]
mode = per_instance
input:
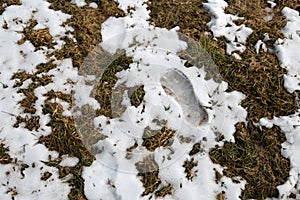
[(290, 126), (93, 5), (222, 24), (287, 50), (260, 44), (269, 11), (22, 143), (154, 52), (28, 184), (69, 161), (79, 3), (155, 62)]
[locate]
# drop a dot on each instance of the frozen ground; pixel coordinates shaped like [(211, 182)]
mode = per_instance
[(156, 65)]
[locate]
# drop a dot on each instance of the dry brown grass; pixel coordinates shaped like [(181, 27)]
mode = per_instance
[(164, 191), (189, 15), (260, 78), (255, 20), (7, 3), (38, 38), (136, 98), (148, 173), (105, 86), (31, 121), (155, 139), (188, 168), (86, 23), (66, 141), (256, 157)]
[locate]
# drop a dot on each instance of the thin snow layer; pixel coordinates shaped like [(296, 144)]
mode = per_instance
[(287, 50), (269, 11), (290, 148), (69, 161), (113, 175), (22, 178), (222, 24), (260, 44), (93, 5), (79, 3)]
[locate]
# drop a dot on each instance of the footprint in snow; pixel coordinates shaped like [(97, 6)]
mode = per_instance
[(176, 84)]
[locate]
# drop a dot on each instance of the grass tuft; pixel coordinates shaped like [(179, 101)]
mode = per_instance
[(188, 168), (38, 38), (108, 80), (164, 191), (148, 173), (137, 96), (4, 156), (66, 141), (153, 139)]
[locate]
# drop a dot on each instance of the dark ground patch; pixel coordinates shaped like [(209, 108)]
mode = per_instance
[(38, 38), (155, 139), (4, 156)]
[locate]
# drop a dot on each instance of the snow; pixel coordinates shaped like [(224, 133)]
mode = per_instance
[(260, 44), (290, 148), (222, 24), (69, 161), (269, 11), (178, 86), (28, 184), (154, 52), (23, 147), (287, 50), (79, 3), (169, 87), (93, 5)]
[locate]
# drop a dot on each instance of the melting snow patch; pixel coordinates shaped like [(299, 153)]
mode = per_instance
[(93, 5), (260, 44), (176, 97), (27, 177), (222, 24), (68, 161), (287, 50), (290, 126), (20, 183), (79, 3)]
